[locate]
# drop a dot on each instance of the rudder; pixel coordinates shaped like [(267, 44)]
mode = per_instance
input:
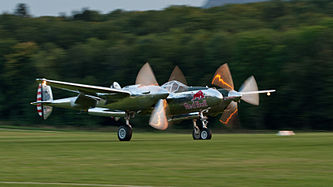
[(44, 93)]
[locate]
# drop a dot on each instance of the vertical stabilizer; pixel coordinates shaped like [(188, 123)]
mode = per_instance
[(44, 93)]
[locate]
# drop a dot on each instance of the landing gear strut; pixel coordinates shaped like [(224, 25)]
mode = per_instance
[(206, 133), (125, 131), (203, 132), (196, 130)]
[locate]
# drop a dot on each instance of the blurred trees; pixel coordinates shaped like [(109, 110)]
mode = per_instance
[(286, 45), (22, 10)]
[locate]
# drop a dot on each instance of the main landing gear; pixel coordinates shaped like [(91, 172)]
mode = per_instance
[(125, 131), (201, 133)]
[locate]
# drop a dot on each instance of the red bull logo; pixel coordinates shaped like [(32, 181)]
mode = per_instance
[(198, 101), (198, 96)]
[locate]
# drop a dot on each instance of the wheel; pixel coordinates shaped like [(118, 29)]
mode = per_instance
[(196, 134), (206, 134), (124, 133)]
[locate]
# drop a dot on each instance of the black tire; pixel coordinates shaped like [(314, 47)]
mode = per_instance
[(124, 133), (196, 134), (206, 134)]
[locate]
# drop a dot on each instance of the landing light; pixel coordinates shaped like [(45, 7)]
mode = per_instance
[(268, 93), (44, 83)]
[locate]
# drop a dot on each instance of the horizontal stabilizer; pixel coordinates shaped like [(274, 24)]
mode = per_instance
[(87, 89)]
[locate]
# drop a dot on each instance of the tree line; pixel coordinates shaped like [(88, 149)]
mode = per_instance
[(286, 45)]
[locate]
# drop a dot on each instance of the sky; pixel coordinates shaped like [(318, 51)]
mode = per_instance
[(55, 7)]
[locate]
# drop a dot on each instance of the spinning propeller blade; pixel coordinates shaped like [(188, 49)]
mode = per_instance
[(229, 114), (178, 75), (222, 78), (158, 118), (249, 91), (146, 76)]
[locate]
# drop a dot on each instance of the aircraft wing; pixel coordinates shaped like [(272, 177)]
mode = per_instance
[(85, 89)]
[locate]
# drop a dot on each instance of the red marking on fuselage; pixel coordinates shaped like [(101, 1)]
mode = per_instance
[(199, 95)]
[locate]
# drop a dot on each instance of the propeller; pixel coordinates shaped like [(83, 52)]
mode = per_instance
[(248, 92), (222, 78), (146, 76), (178, 75), (229, 113), (158, 118)]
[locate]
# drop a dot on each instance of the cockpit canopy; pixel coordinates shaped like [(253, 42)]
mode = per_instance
[(175, 86)]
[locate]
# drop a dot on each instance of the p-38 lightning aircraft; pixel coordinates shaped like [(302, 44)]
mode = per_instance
[(172, 101)]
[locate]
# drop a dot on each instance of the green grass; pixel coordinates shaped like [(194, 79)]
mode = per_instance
[(165, 159)]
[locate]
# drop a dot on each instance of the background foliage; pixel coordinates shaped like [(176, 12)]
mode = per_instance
[(287, 46)]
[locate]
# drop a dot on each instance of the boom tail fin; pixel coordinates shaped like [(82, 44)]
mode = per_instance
[(44, 93)]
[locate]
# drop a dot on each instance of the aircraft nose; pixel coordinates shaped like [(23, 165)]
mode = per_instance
[(234, 94), (213, 96), (215, 93)]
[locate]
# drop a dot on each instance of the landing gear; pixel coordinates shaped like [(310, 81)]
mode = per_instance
[(196, 130), (202, 133), (125, 131), (206, 134)]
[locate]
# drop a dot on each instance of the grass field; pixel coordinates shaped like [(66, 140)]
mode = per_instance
[(164, 159)]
